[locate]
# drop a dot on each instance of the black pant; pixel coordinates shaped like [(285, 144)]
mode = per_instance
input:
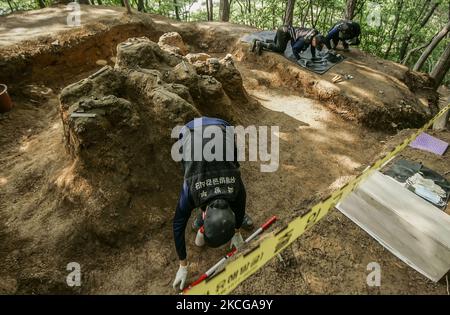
[(279, 43)]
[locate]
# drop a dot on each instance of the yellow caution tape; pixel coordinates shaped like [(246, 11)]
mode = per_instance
[(249, 262)]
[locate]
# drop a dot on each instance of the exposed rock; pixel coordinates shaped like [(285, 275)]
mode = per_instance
[(326, 90), (180, 90), (101, 62), (192, 58), (173, 43), (143, 53), (213, 65), (210, 88), (230, 78), (126, 136), (171, 106), (104, 82), (185, 73)]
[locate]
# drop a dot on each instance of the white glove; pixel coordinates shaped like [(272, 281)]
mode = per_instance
[(200, 239), (180, 278), (237, 241)]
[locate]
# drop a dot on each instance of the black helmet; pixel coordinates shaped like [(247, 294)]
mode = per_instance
[(219, 223), (344, 25)]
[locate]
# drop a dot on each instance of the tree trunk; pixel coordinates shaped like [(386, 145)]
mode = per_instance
[(317, 17), (41, 3), (224, 10), (289, 12), (10, 6), (211, 10), (441, 67), (431, 47), (302, 14), (306, 14), (177, 9), (350, 9), (127, 5), (358, 9), (405, 60), (395, 27), (273, 17), (408, 37), (140, 6), (325, 15)]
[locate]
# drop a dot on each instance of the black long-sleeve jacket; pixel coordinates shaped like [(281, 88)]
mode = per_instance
[(205, 181)]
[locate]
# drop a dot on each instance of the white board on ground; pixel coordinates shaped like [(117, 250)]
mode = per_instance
[(411, 228)]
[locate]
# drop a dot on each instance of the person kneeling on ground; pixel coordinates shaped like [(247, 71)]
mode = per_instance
[(214, 186), (344, 31), (279, 43)]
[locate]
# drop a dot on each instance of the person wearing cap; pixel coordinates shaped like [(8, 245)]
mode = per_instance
[(345, 31), (212, 185)]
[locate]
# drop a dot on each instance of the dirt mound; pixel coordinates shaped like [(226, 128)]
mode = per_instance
[(57, 52), (124, 149), (382, 95), (57, 207), (173, 42)]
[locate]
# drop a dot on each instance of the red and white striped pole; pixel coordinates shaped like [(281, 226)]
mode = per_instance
[(214, 268)]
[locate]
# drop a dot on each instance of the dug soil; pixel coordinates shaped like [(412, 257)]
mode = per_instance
[(50, 197)]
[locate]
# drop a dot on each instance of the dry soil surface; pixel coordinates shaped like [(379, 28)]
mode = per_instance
[(319, 151)]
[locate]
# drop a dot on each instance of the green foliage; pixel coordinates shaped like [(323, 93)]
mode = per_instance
[(17, 5)]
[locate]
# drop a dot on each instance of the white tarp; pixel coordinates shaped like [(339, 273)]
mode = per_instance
[(411, 228)]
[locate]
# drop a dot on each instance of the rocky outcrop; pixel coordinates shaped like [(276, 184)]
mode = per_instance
[(173, 43), (118, 123)]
